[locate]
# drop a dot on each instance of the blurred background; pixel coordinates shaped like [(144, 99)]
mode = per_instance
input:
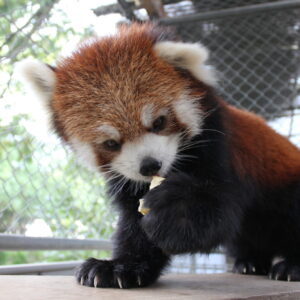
[(54, 212)]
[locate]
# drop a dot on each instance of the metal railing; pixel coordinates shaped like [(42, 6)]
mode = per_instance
[(10, 242), (57, 268), (233, 12)]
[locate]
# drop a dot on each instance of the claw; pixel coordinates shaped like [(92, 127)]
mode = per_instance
[(270, 276), (139, 280), (81, 280), (276, 277), (289, 278), (96, 281), (119, 282), (253, 269), (244, 270)]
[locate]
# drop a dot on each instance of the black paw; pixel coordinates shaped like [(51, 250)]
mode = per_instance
[(183, 217), (285, 270), (250, 267), (170, 224), (114, 273)]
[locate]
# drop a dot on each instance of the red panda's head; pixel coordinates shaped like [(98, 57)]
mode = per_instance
[(123, 102)]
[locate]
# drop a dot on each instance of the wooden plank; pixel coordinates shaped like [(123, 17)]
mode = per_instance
[(200, 287)]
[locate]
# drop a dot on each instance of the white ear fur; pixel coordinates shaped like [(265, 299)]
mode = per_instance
[(40, 79), (188, 56), (38, 75)]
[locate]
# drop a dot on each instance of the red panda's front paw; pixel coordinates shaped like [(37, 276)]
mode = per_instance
[(114, 274), (186, 216), (171, 223), (285, 270)]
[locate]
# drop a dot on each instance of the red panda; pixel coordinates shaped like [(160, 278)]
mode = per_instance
[(139, 104)]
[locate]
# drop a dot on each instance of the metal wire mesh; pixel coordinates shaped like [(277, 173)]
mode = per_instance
[(48, 189), (257, 58)]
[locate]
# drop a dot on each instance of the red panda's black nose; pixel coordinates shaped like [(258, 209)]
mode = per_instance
[(150, 166)]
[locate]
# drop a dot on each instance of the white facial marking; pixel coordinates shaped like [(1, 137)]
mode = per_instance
[(188, 56), (161, 148), (147, 115), (190, 114), (85, 154), (110, 131)]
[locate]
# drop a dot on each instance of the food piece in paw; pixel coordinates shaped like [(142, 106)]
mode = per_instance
[(156, 180), (143, 210)]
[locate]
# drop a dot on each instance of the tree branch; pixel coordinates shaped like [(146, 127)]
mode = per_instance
[(39, 17), (127, 10)]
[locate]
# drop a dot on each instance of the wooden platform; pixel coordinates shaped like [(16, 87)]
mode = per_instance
[(200, 287)]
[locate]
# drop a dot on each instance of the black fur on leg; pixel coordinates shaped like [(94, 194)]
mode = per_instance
[(286, 270), (136, 261), (189, 216), (270, 227)]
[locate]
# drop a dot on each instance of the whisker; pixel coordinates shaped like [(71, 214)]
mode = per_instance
[(214, 130), (174, 168), (194, 144), (209, 112), (119, 185), (183, 156)]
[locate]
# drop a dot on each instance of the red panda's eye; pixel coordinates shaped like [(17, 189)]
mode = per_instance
[(159, 124), (111, 145)]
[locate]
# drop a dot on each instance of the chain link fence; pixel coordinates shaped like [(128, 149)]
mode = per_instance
[(256, 56), (43, 192)]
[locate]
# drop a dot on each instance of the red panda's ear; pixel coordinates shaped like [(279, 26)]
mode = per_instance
[(191, 57), (40, 76)]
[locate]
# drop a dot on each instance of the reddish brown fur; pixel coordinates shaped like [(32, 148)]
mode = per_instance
[(258, 151), (108, 81)]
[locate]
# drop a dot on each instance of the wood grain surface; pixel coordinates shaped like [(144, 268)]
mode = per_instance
[(200, 287)]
